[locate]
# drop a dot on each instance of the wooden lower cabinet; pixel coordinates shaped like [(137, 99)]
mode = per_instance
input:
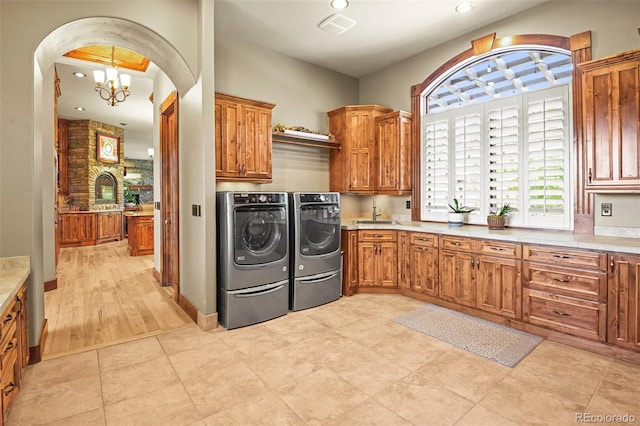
[(566, 290), (109, 226), (423, 261), (140, 235), (624, 301), (13, 346), (377, 258), (349, 244), (77, 229)]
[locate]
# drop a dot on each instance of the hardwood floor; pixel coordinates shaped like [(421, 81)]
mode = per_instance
[(105, 296)]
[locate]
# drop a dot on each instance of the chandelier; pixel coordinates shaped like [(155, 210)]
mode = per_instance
[(115, 88)]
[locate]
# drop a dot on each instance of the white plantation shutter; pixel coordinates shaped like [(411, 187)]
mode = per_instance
[(513, 150), (435, 161), (468, 156), (547, 150), (503, 154)]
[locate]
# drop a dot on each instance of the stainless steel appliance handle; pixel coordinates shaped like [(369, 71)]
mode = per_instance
[(319, 278), (259, 290)]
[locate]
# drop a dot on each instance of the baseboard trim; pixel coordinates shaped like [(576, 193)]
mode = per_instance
[(51, 285), (205, 322), (35, 352), (188, 307), (157, 275)]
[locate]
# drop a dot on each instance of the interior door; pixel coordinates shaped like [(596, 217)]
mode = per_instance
[(169, 248)]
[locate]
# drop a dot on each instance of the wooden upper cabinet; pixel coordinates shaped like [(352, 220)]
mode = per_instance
[(394, 153), (611, 122), (243, 139), (353, 167)]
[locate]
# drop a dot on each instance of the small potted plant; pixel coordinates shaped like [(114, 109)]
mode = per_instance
[(456, 215), (129, 199), (496, 217)]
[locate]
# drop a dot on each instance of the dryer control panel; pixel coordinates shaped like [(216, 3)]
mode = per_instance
[(259, 198), (329, 198)]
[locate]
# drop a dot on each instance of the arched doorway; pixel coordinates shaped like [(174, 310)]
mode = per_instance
[(112, 31)]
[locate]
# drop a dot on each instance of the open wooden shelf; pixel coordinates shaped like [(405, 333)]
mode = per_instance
[(281, 137)]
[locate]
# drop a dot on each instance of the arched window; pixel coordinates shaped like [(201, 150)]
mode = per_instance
[(105, 191), (495, 128)]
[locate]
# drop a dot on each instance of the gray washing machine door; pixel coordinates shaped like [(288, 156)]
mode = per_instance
[(261, 234)]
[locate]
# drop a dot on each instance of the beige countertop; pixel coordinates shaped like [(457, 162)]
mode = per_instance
[(520, 235), (139, 213), (13, 273)]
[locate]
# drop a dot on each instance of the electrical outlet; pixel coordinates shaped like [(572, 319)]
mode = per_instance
[(408, 204), (605, 209), (194, 210)]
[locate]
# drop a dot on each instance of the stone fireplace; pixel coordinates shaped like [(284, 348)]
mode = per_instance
[(84, 168)]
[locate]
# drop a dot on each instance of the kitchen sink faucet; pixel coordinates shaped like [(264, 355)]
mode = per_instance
[(375, 213)]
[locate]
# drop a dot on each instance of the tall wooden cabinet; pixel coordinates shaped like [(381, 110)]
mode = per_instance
[(624, 301), (243, 139), (611, 122), (393, 142), (353, 167)]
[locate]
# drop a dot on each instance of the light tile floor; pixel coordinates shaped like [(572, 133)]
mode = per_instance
[(344, 363)]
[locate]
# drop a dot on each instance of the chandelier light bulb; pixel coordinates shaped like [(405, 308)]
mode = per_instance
[(115, 88)]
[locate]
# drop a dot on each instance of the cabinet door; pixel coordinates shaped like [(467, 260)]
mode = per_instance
[(367, 254), (424, 270), (393, 144), (145, 235), (624, 301), (77, 228), (349, 242), (388, 155), (109, 226), (256, 151), (227, 123), (499, 286), (387, 264), (361, 135), (404, 260), (611, 107), (457, 278)]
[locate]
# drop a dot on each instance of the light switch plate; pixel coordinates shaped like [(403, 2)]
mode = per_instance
[(605, 209)]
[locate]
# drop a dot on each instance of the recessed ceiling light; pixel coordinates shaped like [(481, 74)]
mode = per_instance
[(464, 7), (79, 108), (79, 74), (339, 4)]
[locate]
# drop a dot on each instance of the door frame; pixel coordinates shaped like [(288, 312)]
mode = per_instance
[(169, 205)]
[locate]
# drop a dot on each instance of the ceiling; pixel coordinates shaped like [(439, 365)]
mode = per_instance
[(386, 32)]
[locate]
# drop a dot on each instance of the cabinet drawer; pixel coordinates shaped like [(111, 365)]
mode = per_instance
[(564, 257), (565, 314), (377, 235), (497, 248), (9, 383), (425, 240), (588, 285), (457, 243), (7, 321), (8, 346)]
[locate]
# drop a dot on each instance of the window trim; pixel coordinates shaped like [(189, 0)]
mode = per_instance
[(580, 47)]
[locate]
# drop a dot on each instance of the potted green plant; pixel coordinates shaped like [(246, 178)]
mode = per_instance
[(129, 199), (496, 217), (456, 215)]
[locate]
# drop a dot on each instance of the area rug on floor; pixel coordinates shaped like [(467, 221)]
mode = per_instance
[(496, 342)]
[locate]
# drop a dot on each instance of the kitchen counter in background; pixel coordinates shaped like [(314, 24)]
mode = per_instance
[(520, 235), (13, 273)]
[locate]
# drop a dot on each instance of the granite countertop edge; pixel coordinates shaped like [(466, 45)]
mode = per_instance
[(14, 271), (516, 235)]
